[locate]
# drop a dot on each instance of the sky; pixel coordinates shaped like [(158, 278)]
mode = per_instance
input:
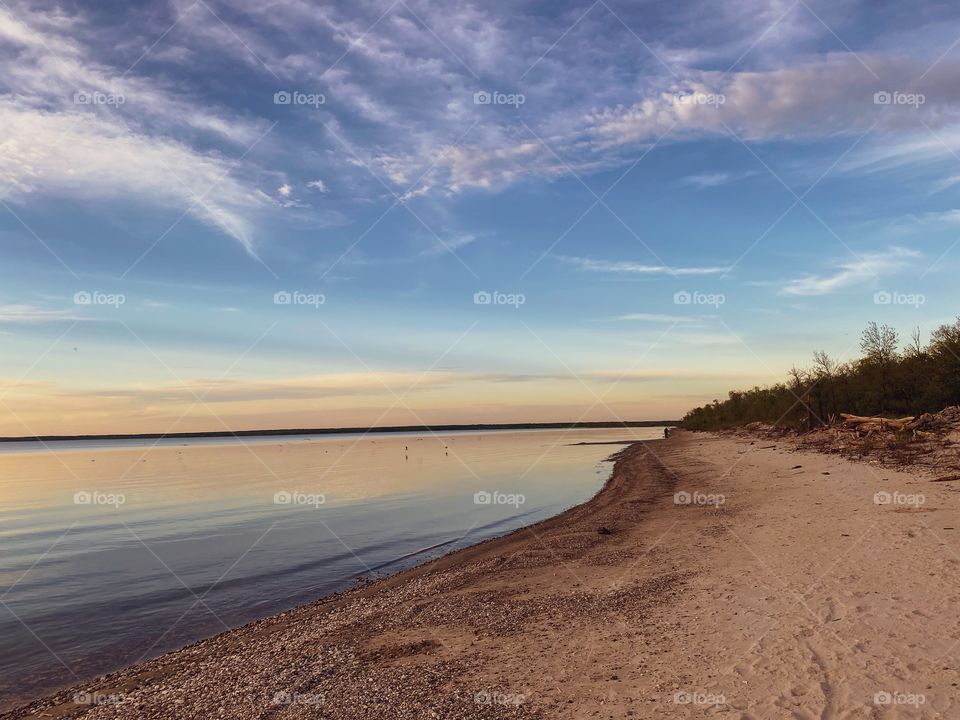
[(235, 215)]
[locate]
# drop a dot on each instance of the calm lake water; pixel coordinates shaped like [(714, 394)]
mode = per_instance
[(117, 551)]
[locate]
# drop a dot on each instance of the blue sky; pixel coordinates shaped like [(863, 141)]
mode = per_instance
[(671, 199)]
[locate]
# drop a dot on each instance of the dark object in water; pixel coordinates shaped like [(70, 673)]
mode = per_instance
[(603, 530)]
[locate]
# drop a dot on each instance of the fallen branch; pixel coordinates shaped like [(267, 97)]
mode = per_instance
[(946, 478), (875, 423)]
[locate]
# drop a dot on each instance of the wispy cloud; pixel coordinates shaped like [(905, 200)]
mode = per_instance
[(441, 246), (75, 127), (709, 180), (653, 317), (630, 267), (32, 314), (946, 216), (684, 339), (863, 269), (401, 84)]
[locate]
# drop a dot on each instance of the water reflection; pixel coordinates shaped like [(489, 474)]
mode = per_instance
[(117, 551)]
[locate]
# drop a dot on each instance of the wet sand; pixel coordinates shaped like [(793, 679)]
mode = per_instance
[(711, 577)]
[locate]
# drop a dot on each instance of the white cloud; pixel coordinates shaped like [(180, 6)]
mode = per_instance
[(655, 317), (418, 192), (285, 190), (31, 315), (404, 101), (635, 268), (811, 98), (138, 146), (709, 180), (950, 217), (441, 245), (857, 271), (86, 157), (936, 145)]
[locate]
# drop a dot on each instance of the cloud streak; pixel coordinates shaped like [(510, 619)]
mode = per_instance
[(858, 271), (77, 128), (629, 267), (22, 314)]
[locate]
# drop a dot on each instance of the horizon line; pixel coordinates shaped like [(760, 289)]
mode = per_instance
[(347, 430)]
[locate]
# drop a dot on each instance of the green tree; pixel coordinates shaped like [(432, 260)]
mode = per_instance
[(922, 378)]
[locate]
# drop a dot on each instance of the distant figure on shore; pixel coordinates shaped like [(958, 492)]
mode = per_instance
[(666, 432)]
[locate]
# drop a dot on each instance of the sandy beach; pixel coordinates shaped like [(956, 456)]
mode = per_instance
[(713, 576)]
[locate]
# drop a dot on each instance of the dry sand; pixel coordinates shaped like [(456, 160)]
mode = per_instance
[(797, 596)]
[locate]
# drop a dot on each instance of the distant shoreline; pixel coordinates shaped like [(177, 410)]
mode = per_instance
[(347, 430)]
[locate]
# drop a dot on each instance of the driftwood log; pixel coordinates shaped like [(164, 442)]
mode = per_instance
[(875, 423)]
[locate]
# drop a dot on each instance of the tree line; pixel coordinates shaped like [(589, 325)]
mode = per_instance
[(886, 379)]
